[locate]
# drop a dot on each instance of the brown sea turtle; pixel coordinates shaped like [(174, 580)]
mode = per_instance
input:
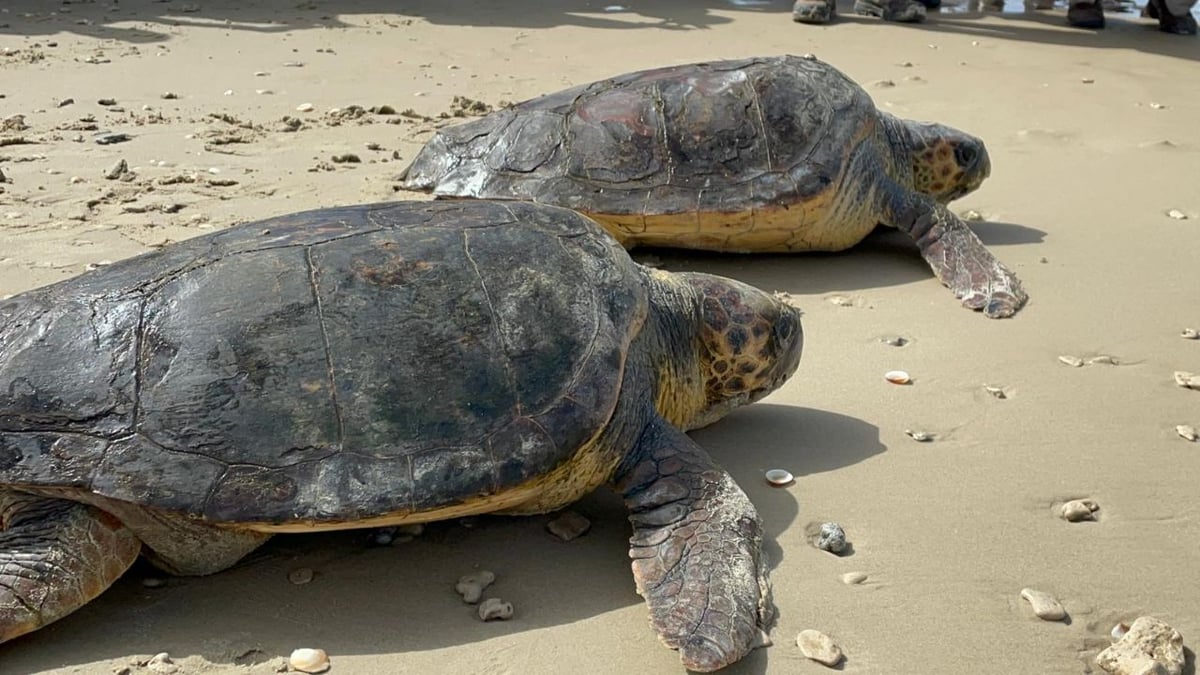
[(755, 155), (379, 365)]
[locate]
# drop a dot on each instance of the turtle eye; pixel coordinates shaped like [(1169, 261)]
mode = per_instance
[(966, 155)]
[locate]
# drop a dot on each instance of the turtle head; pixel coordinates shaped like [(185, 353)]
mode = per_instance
[(732, 344), (946, 163)]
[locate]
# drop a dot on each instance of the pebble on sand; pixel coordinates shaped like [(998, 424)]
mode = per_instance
[(1073, 361), (1078, 510), (300, 575), (1177, 214), (853, 578), (471, 586), (309, 660), (305, 107), (1190, 334), (570, 525), (1149, 647), (495, 609), (831, 538), (1045, 606), (919, 436), (1187, 431), (819, 647)]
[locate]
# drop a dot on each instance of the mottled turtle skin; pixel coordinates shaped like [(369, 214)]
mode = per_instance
[(756, 155), (378, 365)]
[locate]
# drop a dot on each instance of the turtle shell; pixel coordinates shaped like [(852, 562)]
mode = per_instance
[(689, 151), (324, 367)]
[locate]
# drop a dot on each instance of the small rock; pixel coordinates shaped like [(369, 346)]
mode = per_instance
[(305, 107), (1102, 360), (107, 101), (894, 340), (374, 146), (1158, 106), (831, 538), (228, 92), (471, 586), (919, 436), (884, 84), (1187, 431), (1088, 80), (495, 609), (570, 525), (300, 575), (66, 102), (346, 158), (853, 578), (161, 663), (1149, 647), (169, 95), (153, 582), (1177, 214), (1045, 606), (1073, 361), (309, 660), (972, 214), (1190, 334), (996, 392), (1078, 510), (819, 647), (109, 138), (1187, 380), (117, 170)]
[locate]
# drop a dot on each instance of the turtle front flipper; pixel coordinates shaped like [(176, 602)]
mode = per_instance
[(55, 556), (959, 258), (696, 549)]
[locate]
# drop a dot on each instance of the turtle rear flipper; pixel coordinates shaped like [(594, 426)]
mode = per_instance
[(696, 549), (55, 556)]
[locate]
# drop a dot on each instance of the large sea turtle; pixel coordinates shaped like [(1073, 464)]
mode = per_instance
[(377, 365), (763, 154)]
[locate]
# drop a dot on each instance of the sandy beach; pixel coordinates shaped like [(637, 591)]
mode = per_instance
[(233, 112)]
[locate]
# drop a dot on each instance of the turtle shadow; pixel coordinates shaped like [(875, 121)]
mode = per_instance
[(400, 600), (886, 257)]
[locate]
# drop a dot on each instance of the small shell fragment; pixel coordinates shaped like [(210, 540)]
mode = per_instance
[(1190, 334), (1187, 380), (309, 660), (300, 575), (1045, 606), (1176, 214), (570, 525), (780, 477), (471, 586), (853, 578), (996, 391), (1118, 631), (919, 436), (1187, 431), (1073, 361), (495, 608), (819, 647), (1078, 510), (897, 377)]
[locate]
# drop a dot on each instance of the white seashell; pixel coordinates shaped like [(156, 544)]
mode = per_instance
[(780, 477), (996, 391), (1077, 510), (897, 377), (1176, 214), (309, 660), (495, 608), (1187, 431), (1073, 361), (1186, 379), (1190, 334), (1119, 630), (305, 107)]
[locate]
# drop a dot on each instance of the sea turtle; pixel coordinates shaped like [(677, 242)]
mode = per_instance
[(376, 365), (755, 155)]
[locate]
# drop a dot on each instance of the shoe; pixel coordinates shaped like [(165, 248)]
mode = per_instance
[(1086, 15), (1167, 22), (814, 11), (900, 11)]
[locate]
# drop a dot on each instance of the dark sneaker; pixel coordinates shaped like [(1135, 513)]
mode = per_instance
[(814, 11), (1086, 15), (1168, 22), (900, 11)]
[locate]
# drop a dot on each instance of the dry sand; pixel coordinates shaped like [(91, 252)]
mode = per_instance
[(1092, 137)]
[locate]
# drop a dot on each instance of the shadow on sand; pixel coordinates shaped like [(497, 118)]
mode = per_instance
[(148, 21), (400, 598)]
